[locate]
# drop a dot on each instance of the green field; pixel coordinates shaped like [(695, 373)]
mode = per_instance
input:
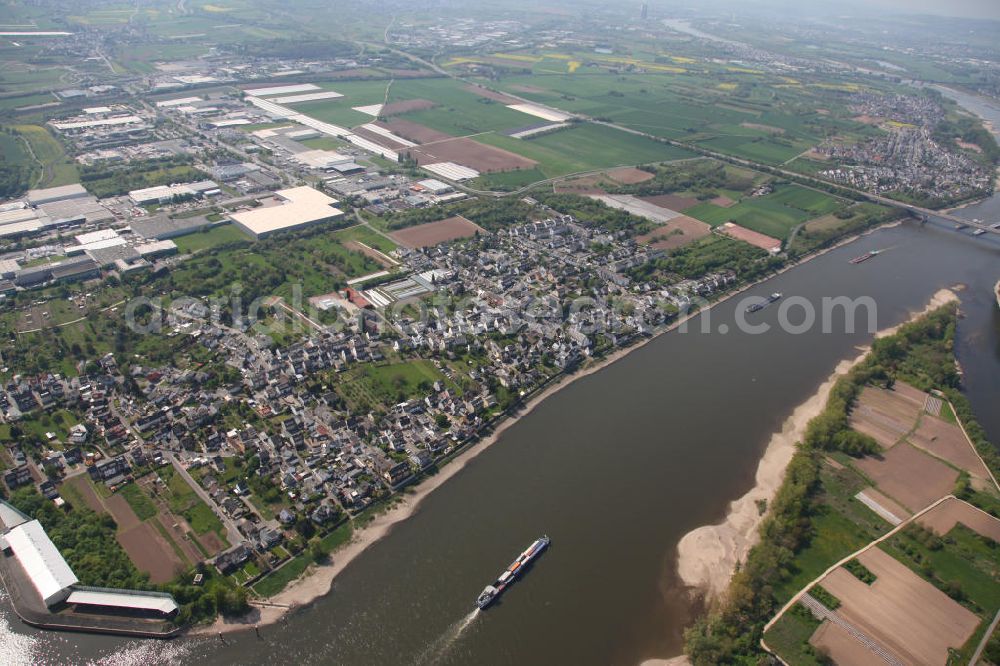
[(961, 560), (790, 636), (323, 143), (586, 147), (137, 499), (338, 111), (835, 537), (185, 502), (367, 236), (201, 240), (775, 214), (276, 581), (508, 180), (50, 164), (805, 199), (386, 385), (759, 116), (25, 100)]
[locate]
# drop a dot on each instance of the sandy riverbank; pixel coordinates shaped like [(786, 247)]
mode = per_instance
[(318, 579), (708, 555)]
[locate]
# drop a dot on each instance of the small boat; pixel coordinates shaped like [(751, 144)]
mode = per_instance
[(979, 232), (865, 257)]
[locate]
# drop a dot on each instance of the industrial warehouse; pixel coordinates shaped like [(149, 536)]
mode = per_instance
[(46, 593), (293, 208)]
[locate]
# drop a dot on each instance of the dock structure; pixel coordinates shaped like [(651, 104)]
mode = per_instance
[(45, 592)]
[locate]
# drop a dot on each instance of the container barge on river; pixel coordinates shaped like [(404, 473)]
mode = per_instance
[(511, 573)]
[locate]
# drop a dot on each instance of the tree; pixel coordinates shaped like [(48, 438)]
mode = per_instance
[(318, 551)]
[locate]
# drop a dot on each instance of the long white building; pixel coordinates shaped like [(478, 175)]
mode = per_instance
[(38, 556)]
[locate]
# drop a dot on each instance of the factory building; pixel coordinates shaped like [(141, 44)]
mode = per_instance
[(53, 194), (290, 209), (164, 194)]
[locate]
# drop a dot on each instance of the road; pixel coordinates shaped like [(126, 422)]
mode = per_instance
[(232, 534), (986, 639)]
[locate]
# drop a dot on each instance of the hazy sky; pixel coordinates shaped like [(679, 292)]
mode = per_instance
[(976, 8), (965, 8)]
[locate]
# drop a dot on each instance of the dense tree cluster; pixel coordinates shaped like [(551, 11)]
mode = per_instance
[(595, 213), (86, 540), (701, 176), (104, 181), (490, 214), (14, 180), (708, 255)]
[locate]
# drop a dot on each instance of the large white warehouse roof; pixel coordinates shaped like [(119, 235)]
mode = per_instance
[(42, 562), (302, 206)]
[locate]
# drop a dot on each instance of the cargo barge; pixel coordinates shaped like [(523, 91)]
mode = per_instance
[(760, 306), (511, 573), (865, 257)]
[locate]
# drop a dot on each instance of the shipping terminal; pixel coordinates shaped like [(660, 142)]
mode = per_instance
[(511, 573)]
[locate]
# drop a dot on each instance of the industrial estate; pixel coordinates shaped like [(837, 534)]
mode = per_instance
[(264, 274)]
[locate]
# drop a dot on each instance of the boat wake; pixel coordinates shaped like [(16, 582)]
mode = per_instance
[(439, 648)]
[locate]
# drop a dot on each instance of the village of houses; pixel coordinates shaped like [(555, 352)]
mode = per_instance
[(286, 450)]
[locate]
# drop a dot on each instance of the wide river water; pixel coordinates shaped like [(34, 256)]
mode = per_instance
[(616, 468)]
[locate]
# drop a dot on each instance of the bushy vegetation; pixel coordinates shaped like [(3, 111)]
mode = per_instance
[(14, 180), (703, 177), (822, 595), (919, 353), (861, 572), (851, 220), (490, 214), (139, 501), (970, 130), (86, 540)]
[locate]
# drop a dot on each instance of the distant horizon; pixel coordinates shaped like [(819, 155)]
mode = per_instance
[(974, 9), (988, 9)]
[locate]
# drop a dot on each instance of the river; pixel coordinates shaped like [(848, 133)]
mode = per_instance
[(615, 468)]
